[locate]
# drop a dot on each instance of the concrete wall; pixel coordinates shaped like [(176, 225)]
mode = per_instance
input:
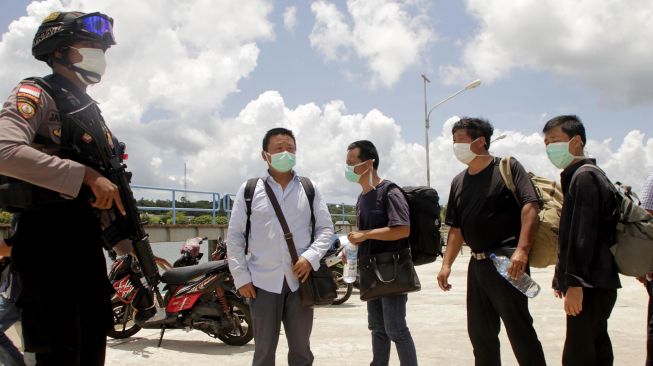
[(166, 233)]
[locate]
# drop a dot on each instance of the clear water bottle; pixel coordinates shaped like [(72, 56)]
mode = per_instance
[(525, 283), (351, 267)]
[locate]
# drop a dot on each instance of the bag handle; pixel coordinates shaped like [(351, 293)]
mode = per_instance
[(395, 258), (282, 220)]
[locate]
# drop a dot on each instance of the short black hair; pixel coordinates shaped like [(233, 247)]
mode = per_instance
[(367, 151), (274, 132), (570, 125), (475, 127)]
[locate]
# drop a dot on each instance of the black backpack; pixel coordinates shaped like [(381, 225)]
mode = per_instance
[(424, 240), (250, 186)]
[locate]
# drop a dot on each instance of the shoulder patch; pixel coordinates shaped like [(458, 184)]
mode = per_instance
[(28, 91), (26, 108)]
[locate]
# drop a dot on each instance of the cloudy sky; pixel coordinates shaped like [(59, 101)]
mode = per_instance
[(201, 81)]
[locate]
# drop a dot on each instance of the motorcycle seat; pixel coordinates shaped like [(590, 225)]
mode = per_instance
[(185, 274)]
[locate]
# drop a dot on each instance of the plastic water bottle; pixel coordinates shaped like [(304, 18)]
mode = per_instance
[(525, 283), (351, 267)]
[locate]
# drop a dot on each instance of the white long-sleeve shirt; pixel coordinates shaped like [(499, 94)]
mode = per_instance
[(269, 261)]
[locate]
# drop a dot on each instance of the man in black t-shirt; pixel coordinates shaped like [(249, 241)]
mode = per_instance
[(384, 226), (483, 212)]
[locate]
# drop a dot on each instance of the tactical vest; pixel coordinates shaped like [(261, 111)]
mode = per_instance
[(84, 138)]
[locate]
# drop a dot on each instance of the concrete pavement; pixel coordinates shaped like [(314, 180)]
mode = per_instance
[(437, 321)]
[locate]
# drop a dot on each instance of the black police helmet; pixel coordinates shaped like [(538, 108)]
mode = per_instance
[(60, 29)]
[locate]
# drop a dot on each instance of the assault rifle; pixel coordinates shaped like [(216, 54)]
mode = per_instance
[(105, 154)]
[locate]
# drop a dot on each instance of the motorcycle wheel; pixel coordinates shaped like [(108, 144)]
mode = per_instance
[(343, 289), (124, 325), (244, 331)]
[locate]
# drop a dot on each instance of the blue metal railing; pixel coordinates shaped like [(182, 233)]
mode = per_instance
[(215, 202), (218, 204)]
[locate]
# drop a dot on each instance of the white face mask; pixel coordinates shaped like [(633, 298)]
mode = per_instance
[(464, 153), (94, 62)]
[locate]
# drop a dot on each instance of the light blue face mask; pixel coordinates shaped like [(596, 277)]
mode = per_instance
[(282, 162), (352, 176), (559, 155)]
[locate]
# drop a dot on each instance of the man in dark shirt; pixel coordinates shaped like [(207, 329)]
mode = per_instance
[(483, 212), (586, 274), (384, 226), (646, 198)]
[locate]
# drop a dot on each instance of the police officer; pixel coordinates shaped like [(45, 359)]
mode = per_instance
[(57, 248)]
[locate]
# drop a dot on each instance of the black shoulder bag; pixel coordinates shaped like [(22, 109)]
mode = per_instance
[(319, 288), (387, 274)]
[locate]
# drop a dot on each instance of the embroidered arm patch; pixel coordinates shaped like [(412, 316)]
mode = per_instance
[(27, 100)]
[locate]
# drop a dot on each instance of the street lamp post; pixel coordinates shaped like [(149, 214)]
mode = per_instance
[(427, 116)]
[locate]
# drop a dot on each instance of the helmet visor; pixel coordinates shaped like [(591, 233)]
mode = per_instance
[(97, 25)]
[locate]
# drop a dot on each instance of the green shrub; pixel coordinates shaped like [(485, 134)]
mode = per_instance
[(202, 220), (5, 217), (181, 218), (153, 220)]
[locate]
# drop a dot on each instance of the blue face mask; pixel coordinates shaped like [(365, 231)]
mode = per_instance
[(282, 162), (559, 155), (352, 176)]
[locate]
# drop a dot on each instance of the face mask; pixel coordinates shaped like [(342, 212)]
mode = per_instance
[(464, 153), (353, 177), (559, 155), (93, 65), (282, 162)]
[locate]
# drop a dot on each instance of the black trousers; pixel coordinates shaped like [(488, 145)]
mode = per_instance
[(490, 298), (66, 296), (588, 342)]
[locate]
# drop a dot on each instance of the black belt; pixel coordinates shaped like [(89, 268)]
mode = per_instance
[(485, 255)]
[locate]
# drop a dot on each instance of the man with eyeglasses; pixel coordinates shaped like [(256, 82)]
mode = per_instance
[(57, 247)]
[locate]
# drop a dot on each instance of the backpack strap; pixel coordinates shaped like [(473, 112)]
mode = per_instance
[(310, 194), (591, 167), (250, 186), (508, 179), (618, 196)]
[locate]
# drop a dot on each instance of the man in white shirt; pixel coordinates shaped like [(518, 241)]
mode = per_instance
[(265, 273)]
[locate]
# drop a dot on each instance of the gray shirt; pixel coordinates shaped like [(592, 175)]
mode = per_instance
[(30, 111)]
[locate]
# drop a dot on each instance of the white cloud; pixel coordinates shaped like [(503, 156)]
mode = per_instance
[(171, 70), (604, 43), (290, 18), (324, 132), (389, 35)]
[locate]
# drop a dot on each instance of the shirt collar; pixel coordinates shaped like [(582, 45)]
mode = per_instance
[(295, 176)]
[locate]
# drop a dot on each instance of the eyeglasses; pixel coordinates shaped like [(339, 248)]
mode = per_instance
[(98, 25)]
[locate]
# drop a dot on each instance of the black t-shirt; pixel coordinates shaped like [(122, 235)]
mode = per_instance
[(485, 210), (376, 210)]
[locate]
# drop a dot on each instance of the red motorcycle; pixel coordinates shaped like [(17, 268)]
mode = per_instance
[(201, 297)]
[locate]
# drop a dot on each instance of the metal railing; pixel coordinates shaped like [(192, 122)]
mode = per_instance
[(217, 204)]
